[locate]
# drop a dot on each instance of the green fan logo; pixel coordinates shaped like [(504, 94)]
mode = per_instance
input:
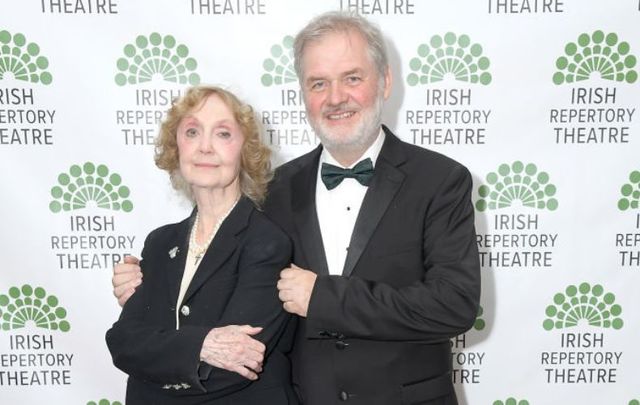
[(156, 56), (630, 193), (583, 303), (634, 402), (22, 306), (278, 67), (89, 184), (22, 59), (511, 401), (517, 183), (479, 324), (451, 55), (596, 54), (104, 402)]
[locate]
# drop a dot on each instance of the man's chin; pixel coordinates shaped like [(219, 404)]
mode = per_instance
[(338, 135)]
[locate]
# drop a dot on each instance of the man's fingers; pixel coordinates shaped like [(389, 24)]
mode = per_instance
[(124, 268), (124, 288), (122, 299), (284, 296), (289, 307), (131, 260)]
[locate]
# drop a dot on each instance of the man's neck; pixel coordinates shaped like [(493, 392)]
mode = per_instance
[(347, 156)]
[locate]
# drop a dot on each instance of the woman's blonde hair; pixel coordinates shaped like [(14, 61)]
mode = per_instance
[(255, 165)]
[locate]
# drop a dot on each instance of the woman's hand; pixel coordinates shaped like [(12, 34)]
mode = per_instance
[(232, 348)]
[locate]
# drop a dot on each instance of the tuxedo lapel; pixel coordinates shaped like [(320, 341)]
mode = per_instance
[(386, 182), (305, 216), (224, 243)]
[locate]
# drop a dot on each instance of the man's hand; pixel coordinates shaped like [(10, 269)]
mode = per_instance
[(232, 348), (126, 277), (295, 287)]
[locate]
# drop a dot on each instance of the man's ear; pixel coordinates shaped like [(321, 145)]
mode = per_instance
[(388, 80)]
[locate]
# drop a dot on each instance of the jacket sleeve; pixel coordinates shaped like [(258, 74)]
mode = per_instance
[(442, 304), (168, 356), (255, 300), (146, 349)]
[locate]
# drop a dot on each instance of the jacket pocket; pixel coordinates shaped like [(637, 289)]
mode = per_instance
[(425, 390)]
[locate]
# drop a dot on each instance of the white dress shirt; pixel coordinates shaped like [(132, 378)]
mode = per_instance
[(338, 208)]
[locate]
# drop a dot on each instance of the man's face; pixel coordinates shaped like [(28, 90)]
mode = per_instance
[(342, 90)]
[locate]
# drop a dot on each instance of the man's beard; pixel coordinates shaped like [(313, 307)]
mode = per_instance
[(363, 135)]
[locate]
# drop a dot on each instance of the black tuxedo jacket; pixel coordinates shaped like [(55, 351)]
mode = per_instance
[(379, 334), (234, 285)]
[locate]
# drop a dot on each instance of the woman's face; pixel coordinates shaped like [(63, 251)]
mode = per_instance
[(209, 146)]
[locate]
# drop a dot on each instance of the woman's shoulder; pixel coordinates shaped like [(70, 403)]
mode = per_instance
[(167, 231), (261, 222), (263, 232)]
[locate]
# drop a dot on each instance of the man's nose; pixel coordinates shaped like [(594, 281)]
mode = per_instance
[(337, 94)]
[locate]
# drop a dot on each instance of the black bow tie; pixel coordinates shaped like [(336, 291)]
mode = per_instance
[(332, 175)]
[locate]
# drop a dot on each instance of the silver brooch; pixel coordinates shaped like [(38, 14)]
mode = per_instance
[(173, 252)]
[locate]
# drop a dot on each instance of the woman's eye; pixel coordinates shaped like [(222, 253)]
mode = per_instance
[(224, 134), (191, 132)]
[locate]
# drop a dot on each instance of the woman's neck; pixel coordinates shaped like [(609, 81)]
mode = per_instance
[(213, 207)]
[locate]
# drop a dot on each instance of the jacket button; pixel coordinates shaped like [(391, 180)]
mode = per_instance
[(340, 345), (344, 396), (185, 310)]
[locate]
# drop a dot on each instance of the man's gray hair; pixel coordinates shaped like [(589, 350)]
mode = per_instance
[(341, 22)]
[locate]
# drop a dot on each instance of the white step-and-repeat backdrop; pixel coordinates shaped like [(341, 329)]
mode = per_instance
[(539, 98)]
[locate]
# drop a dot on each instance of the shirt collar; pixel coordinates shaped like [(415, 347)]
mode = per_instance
[(372, 153)]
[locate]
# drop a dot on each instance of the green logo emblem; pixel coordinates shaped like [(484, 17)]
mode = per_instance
[(479, 324), (279, 67), (630, 193), (22, 59), (76, 189), (634, 402), (596, 54), (583, 302), (156, 56), (449, 55), (104, 402), (28, 304), (517, 182), (511, 401)]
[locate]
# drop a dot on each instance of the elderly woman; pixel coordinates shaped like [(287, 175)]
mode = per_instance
[(177, 337)]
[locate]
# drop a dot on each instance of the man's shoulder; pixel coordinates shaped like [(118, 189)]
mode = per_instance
[(423, 157), (295, 165), (284, 174)]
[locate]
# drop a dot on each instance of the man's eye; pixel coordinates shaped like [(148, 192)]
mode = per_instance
[(353, 79), (317, 85)]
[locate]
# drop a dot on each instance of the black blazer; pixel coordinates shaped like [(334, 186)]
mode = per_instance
[(234, 285), (380, 333)]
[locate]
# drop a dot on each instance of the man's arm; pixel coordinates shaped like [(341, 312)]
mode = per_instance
[(442, 304)]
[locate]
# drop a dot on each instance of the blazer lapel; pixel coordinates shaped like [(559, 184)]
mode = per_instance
[(224, 243), (305, 216), (386, 182), (177, 257)]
